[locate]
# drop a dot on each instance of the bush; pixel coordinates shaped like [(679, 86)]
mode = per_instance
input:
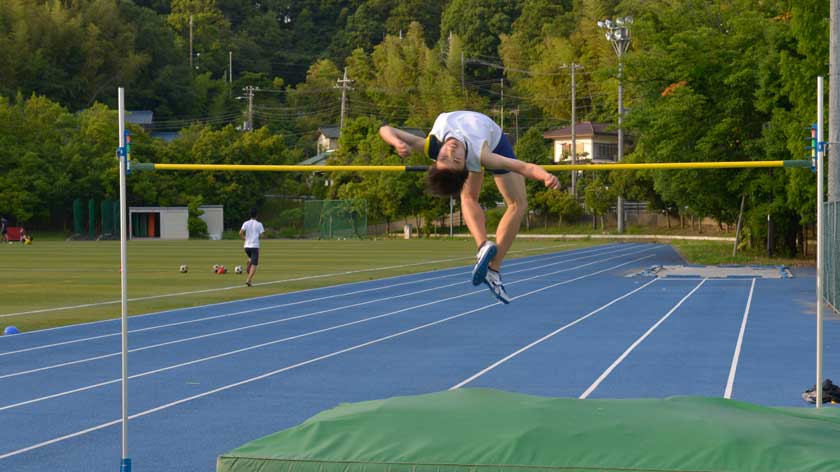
[(493, 216), (197, 227)]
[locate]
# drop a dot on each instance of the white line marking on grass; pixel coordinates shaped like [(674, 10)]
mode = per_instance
[(546, 337), (637, 342), (307, 315), (239, 286), (737, 355), (271, 307), (303, 363)]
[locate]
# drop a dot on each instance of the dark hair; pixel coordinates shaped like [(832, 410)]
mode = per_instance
[(254, 212), (446, 182)]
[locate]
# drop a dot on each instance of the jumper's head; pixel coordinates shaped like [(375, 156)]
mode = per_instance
[(448, 154), (449, 173)]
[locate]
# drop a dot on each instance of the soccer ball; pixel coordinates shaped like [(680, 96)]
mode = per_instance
[(184, 268), (238, 269)]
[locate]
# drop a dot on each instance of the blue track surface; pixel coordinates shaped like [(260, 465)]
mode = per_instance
[(207, 379)]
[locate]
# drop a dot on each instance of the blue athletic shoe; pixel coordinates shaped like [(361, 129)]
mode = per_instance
[(486, 253), (494, 283)]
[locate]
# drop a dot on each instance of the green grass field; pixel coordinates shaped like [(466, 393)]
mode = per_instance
[(55, 278), (713, 252)]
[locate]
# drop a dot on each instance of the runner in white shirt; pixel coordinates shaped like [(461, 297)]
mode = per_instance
[(252, 230), (462, 143)]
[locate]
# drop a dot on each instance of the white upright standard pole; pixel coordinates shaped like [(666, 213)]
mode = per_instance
[(125, 464), (820, 241)]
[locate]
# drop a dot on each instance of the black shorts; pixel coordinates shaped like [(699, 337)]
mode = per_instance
[(253, 254)]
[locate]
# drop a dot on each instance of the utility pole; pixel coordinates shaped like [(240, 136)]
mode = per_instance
[(191, 51), (833, 101), (515, 113), (229, 75), (502, 114), (344, 85), (574, 131), (463, 90), (249, 93)]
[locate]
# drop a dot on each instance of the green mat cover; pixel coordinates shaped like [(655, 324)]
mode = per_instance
[(482, 430)]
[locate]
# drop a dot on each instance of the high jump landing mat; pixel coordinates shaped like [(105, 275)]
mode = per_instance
[(485, 430)]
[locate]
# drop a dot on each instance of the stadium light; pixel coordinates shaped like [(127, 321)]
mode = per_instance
[(618, 33)]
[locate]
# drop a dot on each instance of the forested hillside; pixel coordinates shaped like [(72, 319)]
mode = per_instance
[(704, 80)]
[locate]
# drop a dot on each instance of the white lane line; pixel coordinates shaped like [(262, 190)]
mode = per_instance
[(220, 289), (297, 292), (708, 279), (300, 364), (239, 286), (737, 355), (633, 346), (217, 356), (300, 302), (546, 337), (307, 315), (230, 353), (231, 330)]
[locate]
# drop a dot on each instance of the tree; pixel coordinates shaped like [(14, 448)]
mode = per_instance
[(479, 23), (315, 102), (599, 197)]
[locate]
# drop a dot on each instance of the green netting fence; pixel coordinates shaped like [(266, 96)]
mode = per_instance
[(831, 254), (335, 219), (109, 226), (91, 218), (96, 221), (78, 217)]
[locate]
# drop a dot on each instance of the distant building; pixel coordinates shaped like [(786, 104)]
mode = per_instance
[(327, 138), (146, 119), (319, 159), (172, 222), (594, 142)]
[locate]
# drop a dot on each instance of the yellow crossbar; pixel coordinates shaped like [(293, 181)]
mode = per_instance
[(796, 163), (802, 163)]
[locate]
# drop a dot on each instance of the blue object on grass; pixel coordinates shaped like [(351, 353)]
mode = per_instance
[(10, 330)]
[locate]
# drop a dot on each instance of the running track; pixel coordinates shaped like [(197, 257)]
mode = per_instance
[(207, 379)]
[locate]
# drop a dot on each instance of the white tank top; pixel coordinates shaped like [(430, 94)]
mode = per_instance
[(471, 128)]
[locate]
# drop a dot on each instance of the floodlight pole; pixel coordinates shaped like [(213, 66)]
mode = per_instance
[(618, 33), (125, 464), (820, 240)]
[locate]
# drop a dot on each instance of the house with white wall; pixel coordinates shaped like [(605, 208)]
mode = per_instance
[(595, 142)]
